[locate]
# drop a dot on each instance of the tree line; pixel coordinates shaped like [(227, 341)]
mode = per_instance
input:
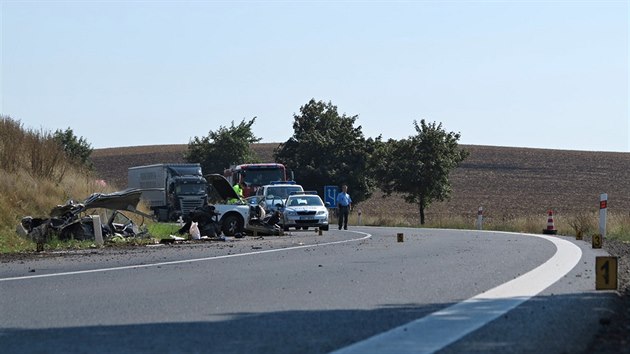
[(327, 148)]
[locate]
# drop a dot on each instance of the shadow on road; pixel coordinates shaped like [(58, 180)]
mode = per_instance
[(550, 324)]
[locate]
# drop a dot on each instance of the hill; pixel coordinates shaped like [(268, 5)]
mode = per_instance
[(508, 182)]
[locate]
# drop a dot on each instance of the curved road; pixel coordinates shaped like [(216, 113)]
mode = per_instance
[(354, 291)]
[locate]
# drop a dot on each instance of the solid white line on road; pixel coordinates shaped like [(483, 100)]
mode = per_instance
[(186, 260), (442, 328)]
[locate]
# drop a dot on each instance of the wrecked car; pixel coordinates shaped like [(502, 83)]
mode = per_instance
[(227, 213), (71, 220)]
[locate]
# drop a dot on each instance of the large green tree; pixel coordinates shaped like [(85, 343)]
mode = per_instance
[(327, 149), (224, 147), (78, 150), (419, 167)]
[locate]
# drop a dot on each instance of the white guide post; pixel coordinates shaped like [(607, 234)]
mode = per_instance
[(480, 218), (98, 232), (603, 207)]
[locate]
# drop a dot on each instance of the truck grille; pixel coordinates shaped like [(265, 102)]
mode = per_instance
[(189, 205)]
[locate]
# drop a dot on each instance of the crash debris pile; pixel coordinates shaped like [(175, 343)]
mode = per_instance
[(71, 221)]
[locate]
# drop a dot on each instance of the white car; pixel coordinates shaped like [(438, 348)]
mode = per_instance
[(271, 195), (304, 210), (233, 217)]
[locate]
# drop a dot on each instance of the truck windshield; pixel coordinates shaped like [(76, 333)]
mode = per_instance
[(259, 177), (190, 189)]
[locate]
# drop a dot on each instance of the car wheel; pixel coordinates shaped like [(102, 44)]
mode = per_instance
[(324, 228), (285, 228), (231, 225), (304, 227)]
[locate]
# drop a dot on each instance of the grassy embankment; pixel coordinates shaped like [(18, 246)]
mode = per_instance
[(35, 176)]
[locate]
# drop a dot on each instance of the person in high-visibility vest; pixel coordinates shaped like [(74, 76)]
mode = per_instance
[(239, 191)]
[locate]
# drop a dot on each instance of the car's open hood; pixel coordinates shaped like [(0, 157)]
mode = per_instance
[(222, 186), (127, 199)]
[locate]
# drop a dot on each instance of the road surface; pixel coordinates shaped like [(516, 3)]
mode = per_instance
[(353, 291)]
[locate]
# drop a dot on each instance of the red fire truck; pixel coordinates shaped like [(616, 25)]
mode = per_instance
[(257, 174)]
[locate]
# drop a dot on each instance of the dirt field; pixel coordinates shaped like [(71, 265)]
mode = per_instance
[(506, 182)]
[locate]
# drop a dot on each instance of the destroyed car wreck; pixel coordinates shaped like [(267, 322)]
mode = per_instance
[(72, 221)]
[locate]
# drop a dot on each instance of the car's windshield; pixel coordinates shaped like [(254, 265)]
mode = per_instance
[(305, 200), (282, 192)]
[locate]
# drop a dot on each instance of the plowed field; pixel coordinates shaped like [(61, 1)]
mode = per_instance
[(506, 182)]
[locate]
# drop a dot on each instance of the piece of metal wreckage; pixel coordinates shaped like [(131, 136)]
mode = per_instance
[(71, 221)]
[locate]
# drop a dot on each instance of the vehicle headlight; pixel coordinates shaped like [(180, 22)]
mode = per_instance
[(290, 213), (322, 212)]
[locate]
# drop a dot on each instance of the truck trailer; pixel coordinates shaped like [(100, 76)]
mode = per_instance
[(171, 189)]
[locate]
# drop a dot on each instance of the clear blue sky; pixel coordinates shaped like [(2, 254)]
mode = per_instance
[(545, 74)]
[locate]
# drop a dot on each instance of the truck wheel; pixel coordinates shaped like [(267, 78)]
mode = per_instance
[(231, 225)]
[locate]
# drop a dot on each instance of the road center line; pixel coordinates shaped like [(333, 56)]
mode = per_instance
[(442, 328), (186, 260)]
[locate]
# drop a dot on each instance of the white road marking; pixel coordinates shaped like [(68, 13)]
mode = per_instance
[(442, 328), (185, 260)]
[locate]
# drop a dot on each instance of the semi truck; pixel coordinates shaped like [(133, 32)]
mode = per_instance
[(171, 189)]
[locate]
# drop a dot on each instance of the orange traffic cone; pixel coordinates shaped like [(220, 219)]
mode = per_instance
[(551, 228)]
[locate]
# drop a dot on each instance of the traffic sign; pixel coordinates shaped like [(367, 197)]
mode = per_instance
[(330, 195)]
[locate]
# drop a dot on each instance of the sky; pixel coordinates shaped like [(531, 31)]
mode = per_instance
[(540, 74)]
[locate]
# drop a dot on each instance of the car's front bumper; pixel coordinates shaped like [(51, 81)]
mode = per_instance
[(302, 221)]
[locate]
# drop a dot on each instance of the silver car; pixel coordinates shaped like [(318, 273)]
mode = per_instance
[(304, 210)]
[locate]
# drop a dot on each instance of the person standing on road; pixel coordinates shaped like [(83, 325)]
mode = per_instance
[(344, 203)]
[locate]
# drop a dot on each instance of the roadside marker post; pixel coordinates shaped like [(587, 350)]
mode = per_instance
[(605, 273), (480, 218), (98, 232), (603, 207), (359, 214)]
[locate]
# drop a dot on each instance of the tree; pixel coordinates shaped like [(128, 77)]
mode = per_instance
[(78, 150), (222, 148), (419, 167), (327, 149)]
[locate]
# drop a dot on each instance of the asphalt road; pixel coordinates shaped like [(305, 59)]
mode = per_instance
[(350, 291)]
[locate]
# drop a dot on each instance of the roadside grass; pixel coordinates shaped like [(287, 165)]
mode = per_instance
[(618, 227), (162, 230)]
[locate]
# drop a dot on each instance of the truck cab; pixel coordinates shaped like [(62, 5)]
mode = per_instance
[(171, 189)]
